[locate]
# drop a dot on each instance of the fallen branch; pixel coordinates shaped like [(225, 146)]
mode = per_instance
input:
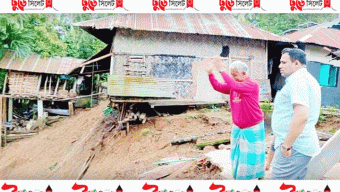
[(212, 143), (86, 166), (193, 139)]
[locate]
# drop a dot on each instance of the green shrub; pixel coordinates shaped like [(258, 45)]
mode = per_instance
[(266, 106), (322, 117)]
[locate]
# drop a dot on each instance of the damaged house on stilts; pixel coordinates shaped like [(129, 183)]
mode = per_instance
[(37, 80), (155, 58)]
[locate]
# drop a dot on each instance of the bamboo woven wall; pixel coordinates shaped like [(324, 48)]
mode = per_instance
[(21, 83)]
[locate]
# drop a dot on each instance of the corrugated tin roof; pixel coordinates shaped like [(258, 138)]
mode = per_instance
[(34, 63), (209, 24), (319, 34)]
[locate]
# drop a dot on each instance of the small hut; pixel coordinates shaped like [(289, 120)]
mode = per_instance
[(34, 78)]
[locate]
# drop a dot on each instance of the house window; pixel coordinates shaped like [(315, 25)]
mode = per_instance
[(328, 75)]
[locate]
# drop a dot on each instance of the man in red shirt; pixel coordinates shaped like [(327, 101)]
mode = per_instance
[(248, 134)]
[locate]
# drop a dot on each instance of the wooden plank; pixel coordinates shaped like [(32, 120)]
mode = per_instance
[(96, 59), (162, 171), (324, 161)]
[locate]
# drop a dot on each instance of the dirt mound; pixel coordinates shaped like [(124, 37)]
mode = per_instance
[(61, 151), (58, 152)]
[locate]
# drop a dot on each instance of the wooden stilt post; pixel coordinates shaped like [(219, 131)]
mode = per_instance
[(4, 110), (70, 108), (10, 109), (92, 87), (40, 109)]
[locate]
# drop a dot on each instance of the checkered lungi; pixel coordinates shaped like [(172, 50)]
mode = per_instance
[(248, 151)]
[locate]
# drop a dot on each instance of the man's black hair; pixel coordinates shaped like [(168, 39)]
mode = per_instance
[(296, 54)]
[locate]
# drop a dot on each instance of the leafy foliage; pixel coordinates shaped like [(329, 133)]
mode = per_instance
[(14, 37), (278, 23), (266, 106), (48, 35)]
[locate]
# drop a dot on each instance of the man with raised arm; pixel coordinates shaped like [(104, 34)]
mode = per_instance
[(248, 134)]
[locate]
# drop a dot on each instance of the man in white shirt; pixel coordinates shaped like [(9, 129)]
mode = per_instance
[(296, 112)]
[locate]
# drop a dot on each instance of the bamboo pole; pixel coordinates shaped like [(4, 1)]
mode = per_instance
[(45, 86), (50, 86), (75, 85), (64, 88), (10, 109), (56, 87), (38, 87)]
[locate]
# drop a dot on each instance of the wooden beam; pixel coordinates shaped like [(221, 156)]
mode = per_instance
[(96, 59), (10, 109)]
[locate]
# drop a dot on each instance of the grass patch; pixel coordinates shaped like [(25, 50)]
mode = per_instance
[(145, 132), (53, 166), (266, 106), (333, 131)]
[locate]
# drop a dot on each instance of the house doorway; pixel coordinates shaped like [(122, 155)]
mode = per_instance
[(274, 75)]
